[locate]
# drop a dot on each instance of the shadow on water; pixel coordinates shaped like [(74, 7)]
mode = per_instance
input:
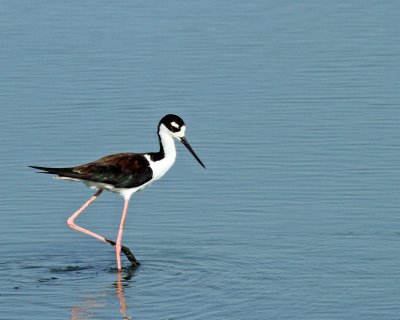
[(89, 304)]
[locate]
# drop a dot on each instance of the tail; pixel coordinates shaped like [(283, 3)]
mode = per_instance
[(58, 171)]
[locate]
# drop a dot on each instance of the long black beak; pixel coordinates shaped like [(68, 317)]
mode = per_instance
[(187, 145)]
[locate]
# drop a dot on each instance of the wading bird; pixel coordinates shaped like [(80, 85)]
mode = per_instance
[(126, 173)]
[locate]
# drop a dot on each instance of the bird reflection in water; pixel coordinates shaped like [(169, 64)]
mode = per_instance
[(92, 306), (121, 297)]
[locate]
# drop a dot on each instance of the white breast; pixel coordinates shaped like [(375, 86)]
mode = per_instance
[(161, 167)]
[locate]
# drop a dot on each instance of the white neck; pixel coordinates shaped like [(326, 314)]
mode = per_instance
[(161, 166), (168, 144)]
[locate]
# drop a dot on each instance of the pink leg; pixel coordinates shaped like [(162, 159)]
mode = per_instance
[(119, 238), (118, 246), (71, 219)]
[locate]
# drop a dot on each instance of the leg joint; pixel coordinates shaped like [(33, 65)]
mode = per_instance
[(70, 223)]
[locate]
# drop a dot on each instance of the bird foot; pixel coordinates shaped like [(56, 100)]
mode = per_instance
[(127, 252)]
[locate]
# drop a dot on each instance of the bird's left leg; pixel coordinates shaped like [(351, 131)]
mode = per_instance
[(127, 252)]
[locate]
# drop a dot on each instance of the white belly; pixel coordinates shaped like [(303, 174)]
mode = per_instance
[(124, 192)]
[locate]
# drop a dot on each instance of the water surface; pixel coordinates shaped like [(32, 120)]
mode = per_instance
[(293, 108)]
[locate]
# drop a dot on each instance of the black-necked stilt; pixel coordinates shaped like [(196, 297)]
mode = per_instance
[(126, 173)]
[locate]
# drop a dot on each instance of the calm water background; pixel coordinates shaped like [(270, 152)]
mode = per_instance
[(293, 107)]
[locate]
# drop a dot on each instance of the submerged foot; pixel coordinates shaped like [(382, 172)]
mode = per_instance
[(127, 252)]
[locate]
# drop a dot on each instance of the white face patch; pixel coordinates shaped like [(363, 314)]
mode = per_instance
[(174, 124)]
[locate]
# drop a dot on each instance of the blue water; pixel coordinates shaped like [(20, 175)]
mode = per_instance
[(292, 106)]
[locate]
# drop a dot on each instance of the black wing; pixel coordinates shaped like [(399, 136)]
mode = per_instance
[(122, 170)]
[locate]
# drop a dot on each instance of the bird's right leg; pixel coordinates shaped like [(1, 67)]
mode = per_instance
[(72, 225), (71, 219)]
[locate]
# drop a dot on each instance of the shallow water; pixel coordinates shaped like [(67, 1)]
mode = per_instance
[(293, 108)]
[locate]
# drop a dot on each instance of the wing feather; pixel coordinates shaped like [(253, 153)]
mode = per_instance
[(122, 170)]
